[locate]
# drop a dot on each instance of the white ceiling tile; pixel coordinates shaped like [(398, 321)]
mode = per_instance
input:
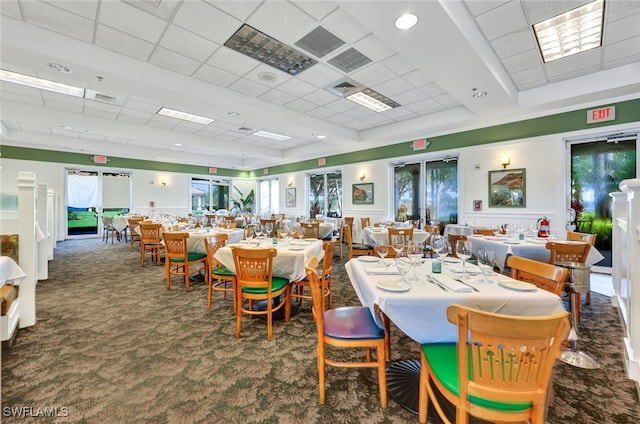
[(620, 9), (21, 98), (282, 21), (301, 105), (447, 100), (138, 113), (409, 96), (320, 75), (101, 113), (374, 48), (398, 65), (296, 87), (124, 43), (92, 104), (514, 43), (539, 11), (174, 61), (341, 105), (75, 108), (427, 105), (478, 7), (317, 9), (344, 26), (320, 97), (249, 87), (529, 76), (321, 112), (377, 119), (357, 125), (622, 61), (338, 118), (158, 122), (232, 61), (573, 63), (521, 61), (373, 74), (399, 114), (140, 105), (206, 21), (359, 112), (265, 71), (215, 75), (417, 78), (392, 87), (432, 89), (622, 29), (10, 8), (92, 137), (277, 97), (58, 20), (84, 8), (187, 43), (502, 20), (62, 98), (131, 119), (241, 10), (617, 51), (573, 73), (138, 23)]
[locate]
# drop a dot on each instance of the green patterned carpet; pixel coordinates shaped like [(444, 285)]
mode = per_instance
[(112, 345)]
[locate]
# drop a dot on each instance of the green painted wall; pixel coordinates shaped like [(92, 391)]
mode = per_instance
[(626, 112)]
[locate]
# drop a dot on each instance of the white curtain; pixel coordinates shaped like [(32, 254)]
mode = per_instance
[(83, 191), (116, 191)]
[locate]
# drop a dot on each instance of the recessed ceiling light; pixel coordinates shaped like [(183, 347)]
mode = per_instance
[(185, 116), (406, 21), (40, 83), (271, 135), (373, 100), (267, 76), (478, 93), (572, 32), (177, 144), (60, 68), (233, 114), (321, 137)]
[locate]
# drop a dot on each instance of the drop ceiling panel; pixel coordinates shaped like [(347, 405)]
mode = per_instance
[(198, 16), (138, 23), (187, 43)]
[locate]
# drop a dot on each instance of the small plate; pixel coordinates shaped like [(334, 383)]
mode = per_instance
[(395, 286), (451, 260), (517, 285), (368, 259), (512, 241), (296, 248)]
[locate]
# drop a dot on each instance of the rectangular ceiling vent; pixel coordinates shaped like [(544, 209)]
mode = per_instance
[(344, 87), (349, 60), (94, 95), (319, 42)]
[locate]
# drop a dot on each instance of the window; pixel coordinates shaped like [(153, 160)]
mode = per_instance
[(269, 196), (325, 195), (209, 195)]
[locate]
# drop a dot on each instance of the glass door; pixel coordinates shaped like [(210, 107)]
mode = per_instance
[(325, 195), (441, 192), (597, 167), (406, 199)]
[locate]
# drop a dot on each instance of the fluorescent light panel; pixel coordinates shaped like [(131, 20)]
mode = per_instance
[(373, 100), (185, 116), (572, 32), (258, 45), (274, 136), (41, 83)]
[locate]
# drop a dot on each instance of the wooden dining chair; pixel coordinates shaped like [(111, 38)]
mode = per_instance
[(545, 276), (356, 249), (150, 237), (108, 229), (178, 259), (569, 251), (499, 370), (483, 231), (218, 276), (134, 231), (453, 240), (365, 222), (346, 327), (300, 293), (587, 238), (406, 232), (255, 282), (310, 230)]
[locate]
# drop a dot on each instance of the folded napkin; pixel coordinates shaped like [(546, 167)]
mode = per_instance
[(380, 270), (467, 267), (451, 284)]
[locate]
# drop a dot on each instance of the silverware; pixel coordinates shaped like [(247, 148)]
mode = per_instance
[(437, 283), (459, 280)]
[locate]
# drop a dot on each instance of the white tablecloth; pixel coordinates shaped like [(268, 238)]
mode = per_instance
[(457, 229), (120, 222), (421, 312), (195, 242), (10, 271), (325, 229), (376, 235), (288, 264), (529, 248)]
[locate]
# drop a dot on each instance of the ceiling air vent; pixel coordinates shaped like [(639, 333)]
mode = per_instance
[(349, 60), (94, 95), (344, 87), (319, 42)]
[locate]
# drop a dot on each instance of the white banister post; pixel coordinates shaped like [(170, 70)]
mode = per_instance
[(28, 247), (51, 227), (632, 340), (43, 223), (618, 236)]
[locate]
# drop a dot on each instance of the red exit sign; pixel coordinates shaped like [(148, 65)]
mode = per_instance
[(601, 114), (100, 159), (421, 144)]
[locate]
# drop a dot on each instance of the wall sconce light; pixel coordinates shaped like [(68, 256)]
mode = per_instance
[(163, 181), (506, 161), (363, 176), (290, 184)]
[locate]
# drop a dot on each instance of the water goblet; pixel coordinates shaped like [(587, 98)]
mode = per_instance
[(404, 266), (414, 252), (268, 228), (383, 251), (397, 243), (440, 245), (259, 230), (485, 263), (463, 250)]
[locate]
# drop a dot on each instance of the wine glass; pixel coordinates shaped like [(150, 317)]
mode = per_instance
[(414, 251), (258, 230), (268, 227), (383, 250), (440, 245), (397, 243), (485, 263), (404, 266), (463, 250)]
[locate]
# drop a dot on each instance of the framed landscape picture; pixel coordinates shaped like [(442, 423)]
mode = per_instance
[(362, 194), (507, 188), (291, 197)]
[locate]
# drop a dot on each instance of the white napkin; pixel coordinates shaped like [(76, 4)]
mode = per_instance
[(451, 284), (467, 267), (380, 270)]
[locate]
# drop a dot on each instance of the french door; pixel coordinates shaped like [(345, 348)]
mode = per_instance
[(325, 195), (597, 167)]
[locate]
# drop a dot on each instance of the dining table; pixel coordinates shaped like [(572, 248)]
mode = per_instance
[(419, 308), (195, 242), (456, 229), (530, 248), (380, 235)]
